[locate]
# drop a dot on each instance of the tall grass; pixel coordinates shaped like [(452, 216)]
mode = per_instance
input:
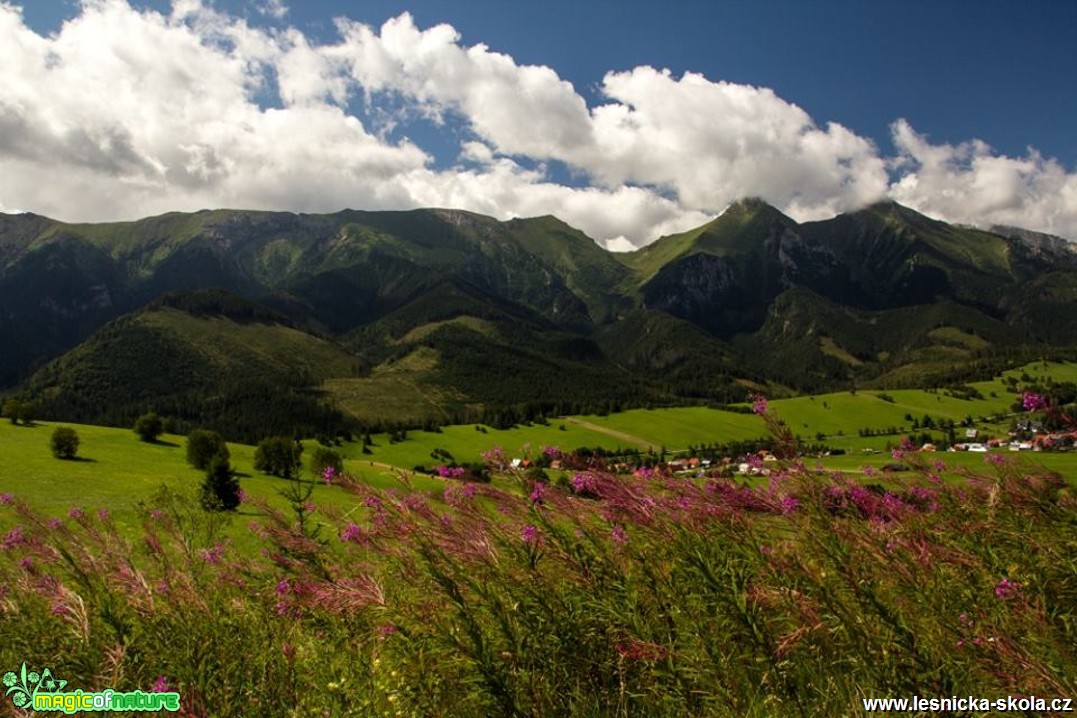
[(610, 596)]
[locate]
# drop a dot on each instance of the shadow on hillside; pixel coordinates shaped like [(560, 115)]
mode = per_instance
[(159, 442), (81, 460)]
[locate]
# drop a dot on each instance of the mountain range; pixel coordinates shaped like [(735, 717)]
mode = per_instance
[(268, 321)]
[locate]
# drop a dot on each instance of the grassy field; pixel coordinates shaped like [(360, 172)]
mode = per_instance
[(612, 596), (605, 595), (117, 471)]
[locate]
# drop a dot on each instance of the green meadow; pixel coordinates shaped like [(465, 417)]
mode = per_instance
[(117, 471)]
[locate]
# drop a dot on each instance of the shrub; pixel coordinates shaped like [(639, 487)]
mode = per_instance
[(65, 442), (202, 446), (322, 458), (149, 427), (17, 410), (278, 456)]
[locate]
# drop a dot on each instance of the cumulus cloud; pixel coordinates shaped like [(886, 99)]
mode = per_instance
[(126, 112), (970, 183)]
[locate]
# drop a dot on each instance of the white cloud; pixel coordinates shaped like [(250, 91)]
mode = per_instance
[(124, 113), (273, 8), (970, 183)]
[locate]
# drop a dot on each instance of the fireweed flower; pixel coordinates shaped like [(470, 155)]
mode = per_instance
[(7, 499), (530, 534), (584, 483), (161, 685), (538, 491), (790, 504), (212, 555), (13, 538), (618, 535), (1007, 589), (351, 533), (759, 404), (1031, 401), (76, 512), (328, 474)]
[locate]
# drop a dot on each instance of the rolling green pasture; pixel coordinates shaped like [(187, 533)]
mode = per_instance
[(467, 443), (117, 471)]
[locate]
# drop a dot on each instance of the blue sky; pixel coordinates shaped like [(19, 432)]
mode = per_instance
[(964, 111)]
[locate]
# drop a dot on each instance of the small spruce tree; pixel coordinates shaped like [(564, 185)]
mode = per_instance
[(220, 488)]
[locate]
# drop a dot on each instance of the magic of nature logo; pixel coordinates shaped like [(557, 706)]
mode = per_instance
[(30, 690)]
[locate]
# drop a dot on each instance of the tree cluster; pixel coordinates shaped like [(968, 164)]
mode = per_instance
[(18, 410)]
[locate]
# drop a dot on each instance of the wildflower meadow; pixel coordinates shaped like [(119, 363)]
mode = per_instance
[(603, 594)]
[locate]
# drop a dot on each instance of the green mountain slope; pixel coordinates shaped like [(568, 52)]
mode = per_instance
[(439, 314), (244, 375)]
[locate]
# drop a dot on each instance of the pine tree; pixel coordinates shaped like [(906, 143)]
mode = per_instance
[(220, 488)]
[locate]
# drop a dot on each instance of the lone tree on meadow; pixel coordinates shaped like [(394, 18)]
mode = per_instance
[(202, 446), (149, 427), (324, 458), (220, 488), (65, 442), (279, 456)]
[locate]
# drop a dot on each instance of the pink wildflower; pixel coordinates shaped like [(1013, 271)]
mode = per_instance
[(759, 404), (351, 533), (13, 538), (161, 685), (538, 491), (618, 534), (1007, 589), (76, 512), (1031, 401), (328, 474), (7, 499), (530, 535)]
